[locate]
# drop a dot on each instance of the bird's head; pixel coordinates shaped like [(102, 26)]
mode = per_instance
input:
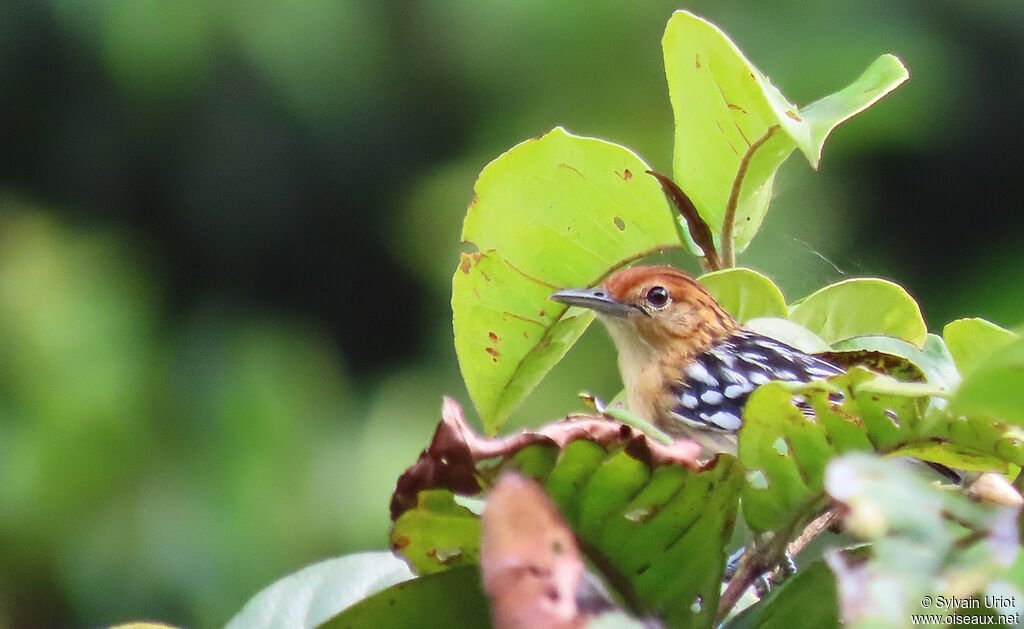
[(656, 308)]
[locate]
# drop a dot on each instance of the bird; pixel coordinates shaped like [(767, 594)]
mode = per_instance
[(687, 365)]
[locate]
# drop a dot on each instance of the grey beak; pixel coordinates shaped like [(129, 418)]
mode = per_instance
[(595, 299)]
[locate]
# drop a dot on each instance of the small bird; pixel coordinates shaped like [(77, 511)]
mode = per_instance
[(687, 365)]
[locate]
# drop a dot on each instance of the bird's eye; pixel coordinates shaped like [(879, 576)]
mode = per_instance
[(657, 297)]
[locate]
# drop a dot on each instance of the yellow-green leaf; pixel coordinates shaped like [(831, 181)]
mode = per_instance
[(745, 293), (734, 128), (862, 307), (971, 341), (553, 212)]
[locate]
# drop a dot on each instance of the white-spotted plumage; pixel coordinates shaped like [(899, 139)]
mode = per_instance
[(714, 389)]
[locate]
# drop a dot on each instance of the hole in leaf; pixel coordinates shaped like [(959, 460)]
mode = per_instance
[(698, 604), (781, 446), (620, 224), (757, 479), (637, 515), (444, 555)]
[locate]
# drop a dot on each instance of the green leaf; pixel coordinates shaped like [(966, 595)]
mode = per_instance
[(553, 212), (745, 294), (437, 534), (792, 334), (448, 600), (995, 391), (934, 360), (507, 334), (971, 341), (785, 451), (734, 128), (861, 307), (656, 529), (661, 531), (316, 593), (807, 600)]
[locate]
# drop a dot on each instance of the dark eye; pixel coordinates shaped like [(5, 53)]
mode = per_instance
[(657, 296)]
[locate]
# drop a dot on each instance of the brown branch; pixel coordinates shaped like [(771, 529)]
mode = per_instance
[(816, 527), (699, 230), (759, 558), (729, 224)]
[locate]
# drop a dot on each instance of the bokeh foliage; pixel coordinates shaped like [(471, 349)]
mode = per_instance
[(191, 198)]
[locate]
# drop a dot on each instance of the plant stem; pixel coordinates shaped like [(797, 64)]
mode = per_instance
[(758, 557), (699, 230), (729, 224)]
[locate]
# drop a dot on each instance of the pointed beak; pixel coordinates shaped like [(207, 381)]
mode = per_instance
[(595, 299)]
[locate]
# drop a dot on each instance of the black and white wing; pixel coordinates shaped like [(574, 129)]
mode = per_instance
[(715, 387)]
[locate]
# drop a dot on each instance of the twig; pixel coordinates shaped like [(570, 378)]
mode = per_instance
[(699, 230), (759, 557), (816, 527), (729, 224)]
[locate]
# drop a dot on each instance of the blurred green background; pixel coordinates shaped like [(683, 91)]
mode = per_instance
[(227, 234)]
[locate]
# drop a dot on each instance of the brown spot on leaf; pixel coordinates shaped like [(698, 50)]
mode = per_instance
[(401, 542), (485, 276), (736, 107), (619, 223), (792, 114), (541, 313), (493, 337), (696, 61), (627, 174), (493, 352), (467, 260), (526, 335)]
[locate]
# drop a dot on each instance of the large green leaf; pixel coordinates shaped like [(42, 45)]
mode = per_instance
[(309, 597), (861, 307), (785, 450), (507, 333), (657, 534), (995, 391), (448, 600), (734, 128), (656, 528), (745, 294), (971, 341), (553, 212)]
